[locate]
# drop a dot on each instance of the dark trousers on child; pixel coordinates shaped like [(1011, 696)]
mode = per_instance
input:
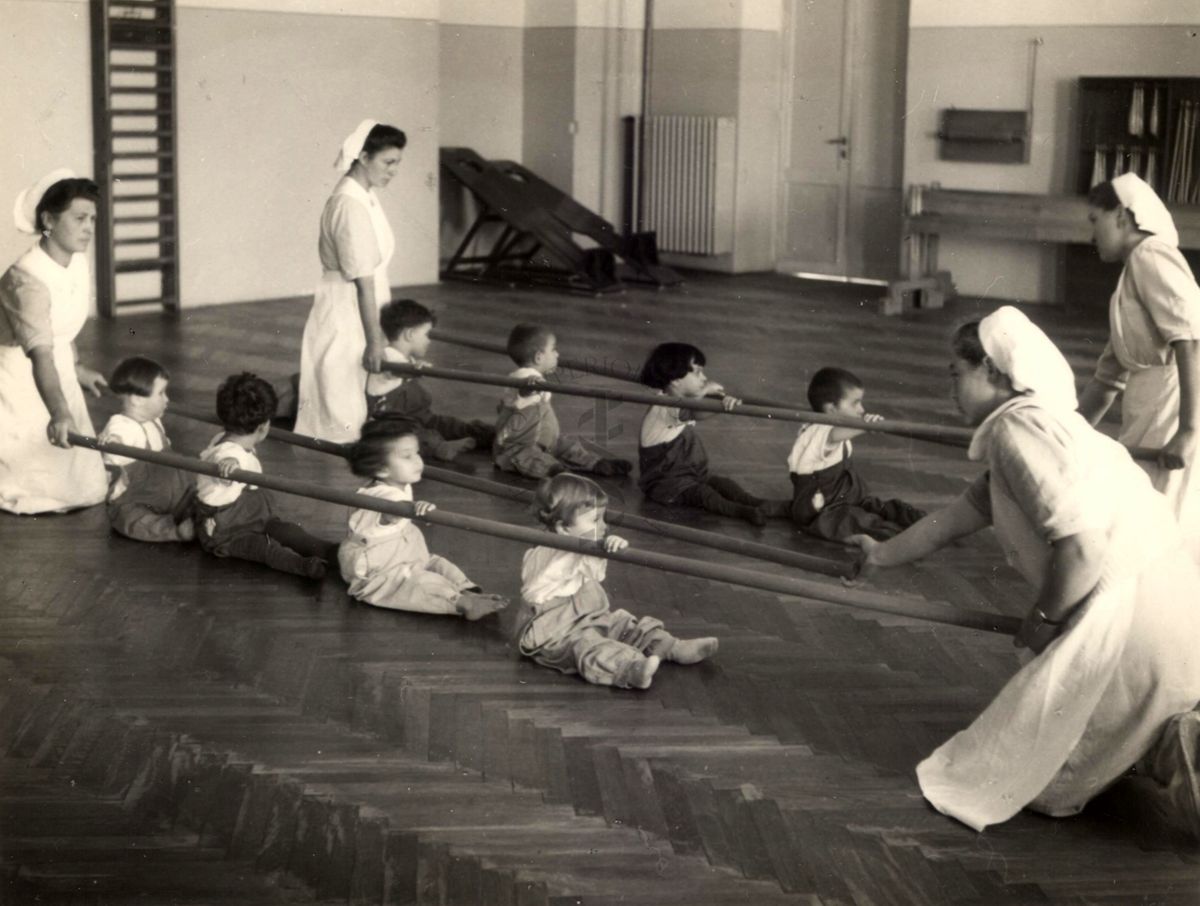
[(847, 509), (156, 500), (248, 529)]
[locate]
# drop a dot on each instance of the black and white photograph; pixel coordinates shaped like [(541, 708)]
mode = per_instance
[(600, 452)]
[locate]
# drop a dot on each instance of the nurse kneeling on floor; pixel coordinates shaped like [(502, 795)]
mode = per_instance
[(1114, 624)]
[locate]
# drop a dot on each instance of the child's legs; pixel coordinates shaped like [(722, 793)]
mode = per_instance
[(604, 661), (837, 523), (572, 452), (731, 490), (265, 550), (646, 634), (897, 511), (447, 570), (433, 444), (452, 428), (531, 461), (293, 536), (424, 591), (707, 497), (140, 522)]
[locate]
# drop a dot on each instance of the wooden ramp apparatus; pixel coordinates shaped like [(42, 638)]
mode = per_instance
[(133, 126), (536, 242)]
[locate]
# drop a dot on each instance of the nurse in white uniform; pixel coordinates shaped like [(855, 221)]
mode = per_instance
[(343, 341), (1153, 351), (44, 301)]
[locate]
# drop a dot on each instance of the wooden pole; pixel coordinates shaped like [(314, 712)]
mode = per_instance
[(906, 606), (955, 436), (823, 565)]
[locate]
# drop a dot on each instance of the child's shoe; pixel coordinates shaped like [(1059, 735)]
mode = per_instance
[(616, 468), (315, 568), (752, 514), (692, 651), (641, 674)]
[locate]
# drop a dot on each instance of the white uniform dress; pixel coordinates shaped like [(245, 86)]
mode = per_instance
[(387, 563), (1156, 303), (43, 304), (356, 241), (1076, 717)]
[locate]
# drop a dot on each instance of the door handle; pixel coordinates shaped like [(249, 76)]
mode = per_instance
[(840, 140)]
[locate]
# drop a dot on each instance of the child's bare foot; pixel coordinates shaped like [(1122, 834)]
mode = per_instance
[(475, 606), (642, 673), (692, 651), (186, 530), (448, 451)]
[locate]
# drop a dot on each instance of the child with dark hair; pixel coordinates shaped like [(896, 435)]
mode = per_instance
[(146, 502), (829, 498), (384, 559), (566, 621), (674, 463), (237, 520), (528, 438), (406, 324)]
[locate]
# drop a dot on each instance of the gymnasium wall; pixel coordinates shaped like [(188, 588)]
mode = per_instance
[(976, 56)]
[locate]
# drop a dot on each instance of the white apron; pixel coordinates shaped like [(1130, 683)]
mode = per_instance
[(1150, 417), (35, 476), (332, 394), (1076, 717)]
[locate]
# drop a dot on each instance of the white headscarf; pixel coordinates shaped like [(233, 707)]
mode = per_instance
[(1020, 349), (25, 207), (353, 145), (1148, 209)]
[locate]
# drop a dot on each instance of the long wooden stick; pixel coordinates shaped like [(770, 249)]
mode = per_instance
[(811, 563), (915, 608), (958, 437), (914, 429)]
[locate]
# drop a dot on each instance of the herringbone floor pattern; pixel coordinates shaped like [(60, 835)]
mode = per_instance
[(385, 757)]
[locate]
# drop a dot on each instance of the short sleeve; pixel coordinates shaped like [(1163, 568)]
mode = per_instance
[(1044, 478), (121, 430), (813, 450), (1168, 290), (25, 302), (661, 425), (349, 229), (979, 495), (369, 524), (1109, 370)]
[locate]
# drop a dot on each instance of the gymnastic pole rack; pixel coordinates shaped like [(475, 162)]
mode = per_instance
[(808, 562), (901, 606)]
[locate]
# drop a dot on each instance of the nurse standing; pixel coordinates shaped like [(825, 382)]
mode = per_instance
[(342, 338), (44, 301), (1153, 351)]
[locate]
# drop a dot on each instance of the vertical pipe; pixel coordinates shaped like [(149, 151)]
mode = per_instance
[(647, 48)]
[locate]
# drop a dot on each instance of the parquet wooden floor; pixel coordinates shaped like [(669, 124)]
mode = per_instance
[(353, 754)]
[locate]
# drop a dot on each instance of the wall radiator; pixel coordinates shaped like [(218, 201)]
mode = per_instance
[(689, 183)]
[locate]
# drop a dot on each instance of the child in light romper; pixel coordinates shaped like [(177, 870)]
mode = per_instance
[(673, 461), (146, 502), (384, 559), (528, 439), (406, 324), (237, 520), (829, 498), (565, 620)]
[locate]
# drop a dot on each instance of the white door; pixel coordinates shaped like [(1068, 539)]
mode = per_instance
[(844, 80)]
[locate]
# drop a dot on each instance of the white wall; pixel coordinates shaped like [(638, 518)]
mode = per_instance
[(980, 60)]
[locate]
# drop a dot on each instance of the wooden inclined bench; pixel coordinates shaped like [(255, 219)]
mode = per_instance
[(931, 211)]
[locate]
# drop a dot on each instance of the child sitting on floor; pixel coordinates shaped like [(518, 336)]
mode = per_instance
[(237, 520), (384, 559), (674, 464), (146, 502), (406, 324), (565, 620), (528, 440), (829, 499)]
